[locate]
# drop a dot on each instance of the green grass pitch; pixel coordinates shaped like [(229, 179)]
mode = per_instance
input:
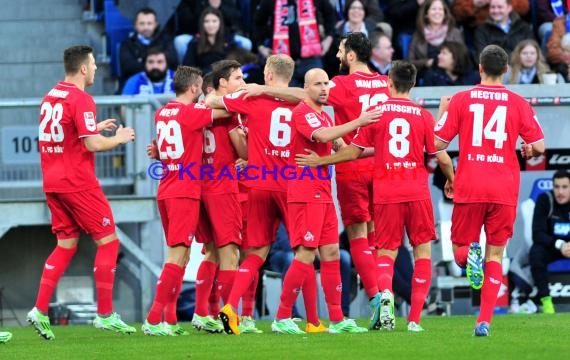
[(512, 337)]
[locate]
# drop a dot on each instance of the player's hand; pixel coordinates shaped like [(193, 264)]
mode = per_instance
[(240, 164), (369, 117), (311, 159), (526, 150), (252, 90), (448, 189), (125, 134), (565, 249), (152, 150), (108, 125), (444, 103)]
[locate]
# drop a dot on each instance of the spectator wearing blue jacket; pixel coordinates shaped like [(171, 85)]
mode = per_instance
[(155, 79)]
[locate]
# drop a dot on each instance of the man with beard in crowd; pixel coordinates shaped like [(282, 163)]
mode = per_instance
[(155, 79)]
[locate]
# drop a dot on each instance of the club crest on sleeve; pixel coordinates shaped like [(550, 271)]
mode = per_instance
[(89, 118)]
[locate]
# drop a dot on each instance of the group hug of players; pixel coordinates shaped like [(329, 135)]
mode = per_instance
[(376, 126)]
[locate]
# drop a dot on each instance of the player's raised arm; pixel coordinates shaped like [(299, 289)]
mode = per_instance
[(365, 118), (311, 159), (291, 94), (98, 143), (239, 142)]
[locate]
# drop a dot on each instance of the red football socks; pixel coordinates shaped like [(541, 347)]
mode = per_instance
[(332, 287), (165, 290), (364, 262), (204, 283), (310, 296), (225, 282), (385, 272), (104, 273), (421, 282), (248, 299), (247, 271), (292, 285), (490, 291), (54, 267)]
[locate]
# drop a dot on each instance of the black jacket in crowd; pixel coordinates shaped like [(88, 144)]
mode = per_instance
[(543, 226)]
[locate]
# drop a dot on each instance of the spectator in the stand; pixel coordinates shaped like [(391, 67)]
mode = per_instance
[(435, 24), (550, 234), (188, 16), (504, 27), (252, 71), (472, 13), (356, 15), (211, 44), (147, 34), (373, 13), (546, 12), (356, 18), (296, 35), (401, 14), (527, 65), (454, 67), (555, 52), (382, 52), (156, 78)]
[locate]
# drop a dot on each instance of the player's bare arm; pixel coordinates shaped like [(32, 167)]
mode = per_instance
[(532, 150), (440, 144), (239, 142), (446, 165), (443, 105), (311, 159), (107, 125), (214, 101), (331, 133), (290, 94), (98, 143)]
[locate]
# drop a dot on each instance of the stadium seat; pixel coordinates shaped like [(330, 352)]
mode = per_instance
[(117, 29), (404, 40)]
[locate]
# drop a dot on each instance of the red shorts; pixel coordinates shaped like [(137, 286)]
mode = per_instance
[(467, 220), (266, 210), (312, 225), (179, 219), (86, 210), (354, 193), (416, 217), (220, 220)]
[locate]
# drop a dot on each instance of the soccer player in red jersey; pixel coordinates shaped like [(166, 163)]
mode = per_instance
[(313, 222), (401, 191), (350, 95), (220, 224), (68, 137), (269, 137), (179, 125), (488, 118)]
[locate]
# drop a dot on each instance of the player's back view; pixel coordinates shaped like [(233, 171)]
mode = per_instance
[(489, 120)]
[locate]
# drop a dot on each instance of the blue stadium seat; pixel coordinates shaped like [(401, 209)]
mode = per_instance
[(117, 28)]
